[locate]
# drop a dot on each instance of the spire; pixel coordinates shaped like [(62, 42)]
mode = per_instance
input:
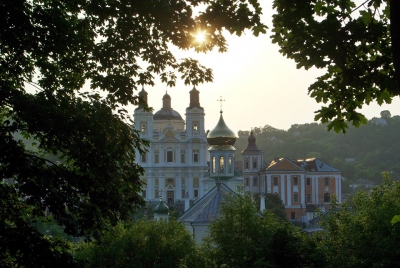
[(142, 98), (194, 99), (166, 101), (251, 146)]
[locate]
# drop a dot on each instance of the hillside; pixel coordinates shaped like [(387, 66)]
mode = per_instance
[(361, 153)]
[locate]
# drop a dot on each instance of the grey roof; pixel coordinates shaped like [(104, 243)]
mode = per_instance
[(167, 114), (315, 165), (206, 209)]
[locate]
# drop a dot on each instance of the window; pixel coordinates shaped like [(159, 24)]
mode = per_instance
[(196, 157), (327, 198), (170, 181), (170, 156), (230, 164), (255, 181), (221, 164), (196, 193), (247, 181), (183, 193), (275, 180), (246, 163), (144, 193), (156, 158), (143, 158), (326, 181), (295, 181), (213, 164), (182, 158), (254, 163), (143, 128), (308, 198), (296, 197), (156, 194), (292, 215), (308, 181), (195, 126), (196, 182)]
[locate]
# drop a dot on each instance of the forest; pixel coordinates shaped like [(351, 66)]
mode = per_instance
[(361, 153)]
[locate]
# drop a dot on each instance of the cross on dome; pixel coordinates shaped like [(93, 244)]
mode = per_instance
[(221, 100)]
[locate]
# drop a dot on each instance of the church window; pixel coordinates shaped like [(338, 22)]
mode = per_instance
[(254, 163), (183, 181), (196, 193), (156, 158), (143, 128), (213, 164), (295, 180), (156, 194), (196, 182), (221, 164), (170, 156), (156, 182), (230, 164), (327, 198), (170, 181), (195, 127), (295, 197), (246, 163), (308, 181), (247, 181), (182, 158), (292, 215), (326, 181), (308, 198), (196, 156), (143, 158), (255, 181), (275, 181)]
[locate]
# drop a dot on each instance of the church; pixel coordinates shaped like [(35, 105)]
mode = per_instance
[(184, 164)]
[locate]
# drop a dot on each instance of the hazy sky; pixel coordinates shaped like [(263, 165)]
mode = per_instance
[(259, 85)]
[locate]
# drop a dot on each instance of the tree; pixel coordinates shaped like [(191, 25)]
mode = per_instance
[(145, 243), (115, 46), (363, 236), (360, 52), (244, 237)]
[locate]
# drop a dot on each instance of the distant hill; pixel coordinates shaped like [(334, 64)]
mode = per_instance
[(361, 153)]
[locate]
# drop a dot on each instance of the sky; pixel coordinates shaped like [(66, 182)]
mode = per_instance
[(259, 85)]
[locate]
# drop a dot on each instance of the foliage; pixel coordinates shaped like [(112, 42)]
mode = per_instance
[(114, 47), (142, 244), (363, 236), (353, 44), (243, 237)]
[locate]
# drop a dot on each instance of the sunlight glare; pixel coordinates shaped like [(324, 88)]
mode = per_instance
[(200, 37)]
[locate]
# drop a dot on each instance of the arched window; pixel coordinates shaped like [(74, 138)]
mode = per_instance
[(327, 198), (213, 164), (230, 164), (221, 164), (156, 158), (195, 127), (143, 128), (182, 158)]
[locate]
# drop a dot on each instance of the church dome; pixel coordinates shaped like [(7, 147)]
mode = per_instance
[(161, 208), (221, 134), (166, 112)]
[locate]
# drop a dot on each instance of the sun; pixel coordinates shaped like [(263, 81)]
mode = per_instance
[(200, 37)]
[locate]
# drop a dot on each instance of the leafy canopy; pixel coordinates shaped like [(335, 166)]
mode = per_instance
[(114, 46), (352, 43)]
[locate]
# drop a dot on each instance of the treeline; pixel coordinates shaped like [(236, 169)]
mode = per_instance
[(361, 153), (361, 236)]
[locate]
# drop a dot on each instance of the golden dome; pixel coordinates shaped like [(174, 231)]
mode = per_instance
[(221, 134)]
